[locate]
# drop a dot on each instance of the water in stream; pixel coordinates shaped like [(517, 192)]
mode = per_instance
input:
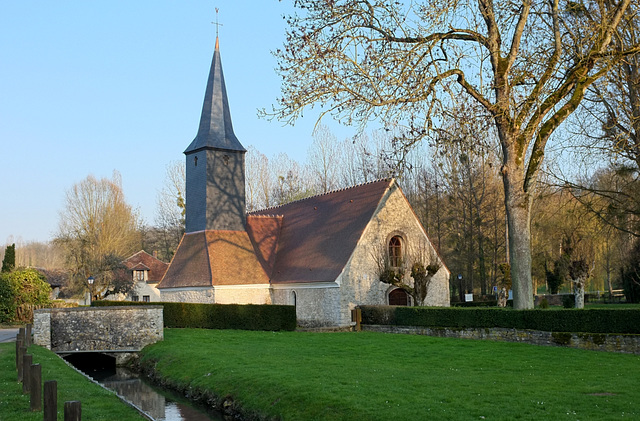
[(160, 404)]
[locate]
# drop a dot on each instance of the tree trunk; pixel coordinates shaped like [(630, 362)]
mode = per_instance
[(518, 208), (578, 292)]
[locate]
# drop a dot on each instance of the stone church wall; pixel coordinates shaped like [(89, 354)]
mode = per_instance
[(315, 306), (359, 281), (243, 295), (218, 295), (190, 295)]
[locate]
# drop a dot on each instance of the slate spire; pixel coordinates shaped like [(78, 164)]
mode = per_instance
[(216, 129), (215, 190)]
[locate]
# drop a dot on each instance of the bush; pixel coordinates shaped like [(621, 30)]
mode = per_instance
[(544, 303), (221, 316), (568, 301), (22, 287), (623, 321)]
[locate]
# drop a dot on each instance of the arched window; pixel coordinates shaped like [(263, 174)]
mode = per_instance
[(395, 251)]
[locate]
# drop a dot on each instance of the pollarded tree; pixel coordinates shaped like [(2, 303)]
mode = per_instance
[(528, 63)]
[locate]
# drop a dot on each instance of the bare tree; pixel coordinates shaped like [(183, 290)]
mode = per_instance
[(528, 64), (97, 230), (290, 180), (171, 209), (259, 180), (323, 159)]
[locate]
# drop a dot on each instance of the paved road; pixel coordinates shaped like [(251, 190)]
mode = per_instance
[(8, 335)]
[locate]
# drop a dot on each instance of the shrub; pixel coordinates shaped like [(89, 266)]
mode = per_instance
[(22, 287), (568, 301), (624, 321), (544, 303), (221, 316)]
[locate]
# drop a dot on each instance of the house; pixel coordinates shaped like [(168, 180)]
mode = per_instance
[(146, 271), (322, 254)]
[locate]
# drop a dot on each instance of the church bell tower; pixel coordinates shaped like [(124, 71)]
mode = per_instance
[(215, 189)]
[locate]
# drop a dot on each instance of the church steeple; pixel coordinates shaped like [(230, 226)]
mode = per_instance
[(216, 129), (215, 193)]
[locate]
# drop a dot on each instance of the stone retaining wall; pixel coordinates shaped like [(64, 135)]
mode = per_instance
[(629, 344), (98, 329)]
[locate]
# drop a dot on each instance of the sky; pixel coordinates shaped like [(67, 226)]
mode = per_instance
[(89, 87)]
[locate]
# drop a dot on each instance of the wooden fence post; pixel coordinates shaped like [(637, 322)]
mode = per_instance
[(51, 400), (27, 359), (21, 333), (27, 335), (72, 411), (19, 344), (35, 382), (21, 354)]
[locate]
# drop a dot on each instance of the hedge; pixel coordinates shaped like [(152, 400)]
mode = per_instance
[(220, 316), (623, 321)]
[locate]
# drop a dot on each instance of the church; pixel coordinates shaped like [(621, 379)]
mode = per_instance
[(321, 254)]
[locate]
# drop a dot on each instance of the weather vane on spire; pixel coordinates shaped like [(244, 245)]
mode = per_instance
[(218, 25)]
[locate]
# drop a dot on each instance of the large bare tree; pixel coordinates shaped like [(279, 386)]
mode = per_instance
[(97, 230), (527, 63)]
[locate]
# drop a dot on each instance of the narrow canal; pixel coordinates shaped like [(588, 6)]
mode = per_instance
[(160, 404)]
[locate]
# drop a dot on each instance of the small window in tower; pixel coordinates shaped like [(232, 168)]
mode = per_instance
[(195, 160), (395, 251), (225, 159)]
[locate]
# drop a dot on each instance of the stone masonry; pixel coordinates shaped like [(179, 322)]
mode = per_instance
[(98, 329)]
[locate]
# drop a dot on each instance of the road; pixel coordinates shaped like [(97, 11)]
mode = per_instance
[(8, 335)]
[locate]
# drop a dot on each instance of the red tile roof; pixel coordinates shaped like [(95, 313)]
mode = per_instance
[(319, 234), (144, 261), (207, 258)]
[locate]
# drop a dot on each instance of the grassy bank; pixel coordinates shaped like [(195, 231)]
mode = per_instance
[(97, 403), (356, 376)]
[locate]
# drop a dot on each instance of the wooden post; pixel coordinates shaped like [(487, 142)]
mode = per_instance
[(21, 354), (19, 345), (27, 335), (72, 411), (21, 334), (27, 359), (51, 400), (35, 382), (356, 316)]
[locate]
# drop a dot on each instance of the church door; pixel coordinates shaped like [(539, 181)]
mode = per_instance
[(398, 297)]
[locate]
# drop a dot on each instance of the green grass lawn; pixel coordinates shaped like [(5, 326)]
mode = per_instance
[(97, 403), (373, 376)]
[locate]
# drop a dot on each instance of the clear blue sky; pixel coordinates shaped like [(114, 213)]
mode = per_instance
[(89, 87)]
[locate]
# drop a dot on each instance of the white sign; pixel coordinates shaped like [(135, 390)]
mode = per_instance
[(468, 297)]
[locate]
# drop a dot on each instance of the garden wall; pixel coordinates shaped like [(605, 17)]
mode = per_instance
[(629, 344)]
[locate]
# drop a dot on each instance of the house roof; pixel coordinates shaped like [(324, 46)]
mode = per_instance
[(215, 130), (318, 235), (144, 261), (219, 257)]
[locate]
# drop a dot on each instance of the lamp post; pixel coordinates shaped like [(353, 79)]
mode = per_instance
[(90, 282), (461, 291)]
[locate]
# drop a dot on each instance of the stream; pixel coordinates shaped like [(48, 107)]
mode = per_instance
[(158, 403)]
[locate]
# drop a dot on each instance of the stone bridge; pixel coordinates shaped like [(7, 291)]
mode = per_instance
[(115, 331)]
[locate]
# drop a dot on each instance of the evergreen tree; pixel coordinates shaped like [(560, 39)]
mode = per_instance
[(9, 261)]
